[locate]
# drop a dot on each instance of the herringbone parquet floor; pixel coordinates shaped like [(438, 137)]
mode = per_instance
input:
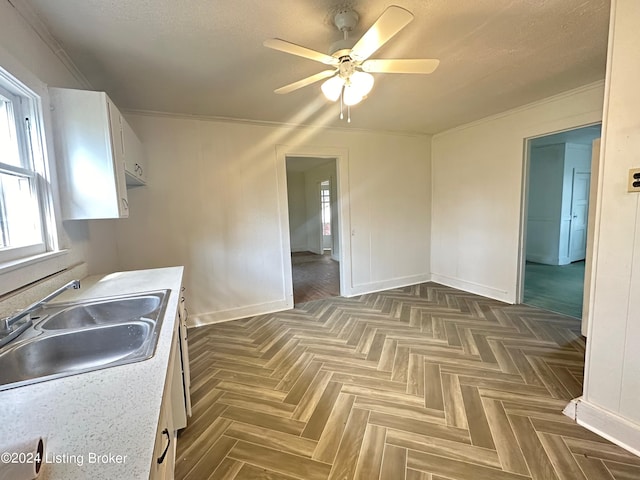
[(418, 383), (314, 277)]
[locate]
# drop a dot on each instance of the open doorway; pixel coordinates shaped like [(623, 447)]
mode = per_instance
[(313, 227), (557, 210)]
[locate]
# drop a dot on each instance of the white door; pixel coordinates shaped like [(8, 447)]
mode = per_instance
[(579, 216)]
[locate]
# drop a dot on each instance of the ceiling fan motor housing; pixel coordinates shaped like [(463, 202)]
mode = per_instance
[(346, 19)]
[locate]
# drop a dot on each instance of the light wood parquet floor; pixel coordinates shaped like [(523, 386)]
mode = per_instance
[(419, 383)]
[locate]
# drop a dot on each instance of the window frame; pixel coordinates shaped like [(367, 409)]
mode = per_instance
[(32, 140)]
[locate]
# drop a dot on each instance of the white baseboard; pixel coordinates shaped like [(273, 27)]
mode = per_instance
[(571, 410), (372, 287), (542, 258), (609, 425), (471, 287), (240, 312)]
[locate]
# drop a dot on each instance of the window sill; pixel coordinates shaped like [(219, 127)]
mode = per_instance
[(18, 273)]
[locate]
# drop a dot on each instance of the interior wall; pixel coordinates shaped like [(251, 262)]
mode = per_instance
[(213, 203), (546, 171), (21, 48), (612, 374), (477, 190), (297, 203)]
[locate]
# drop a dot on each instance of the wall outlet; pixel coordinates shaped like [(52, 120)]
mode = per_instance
[(634, 180)]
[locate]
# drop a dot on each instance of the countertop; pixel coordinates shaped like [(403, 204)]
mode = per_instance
[(113, 411)]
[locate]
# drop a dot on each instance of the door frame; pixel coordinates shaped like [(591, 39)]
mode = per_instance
[(341, 156), (522, 243)]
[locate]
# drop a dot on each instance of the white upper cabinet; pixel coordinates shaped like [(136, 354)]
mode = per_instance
[(135, 161), (97, 154)]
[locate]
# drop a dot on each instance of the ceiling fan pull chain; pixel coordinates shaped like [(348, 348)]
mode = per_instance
[(341, 105), (348, 113)]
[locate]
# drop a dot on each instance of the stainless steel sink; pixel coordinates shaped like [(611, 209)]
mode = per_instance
[(101, 312), (69, 339), (75, 352)]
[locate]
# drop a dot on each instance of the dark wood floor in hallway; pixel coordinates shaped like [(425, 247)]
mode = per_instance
[(418, 383), (314, 277)]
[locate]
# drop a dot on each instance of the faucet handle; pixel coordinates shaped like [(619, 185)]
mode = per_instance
[(5, 327), (6, 323)]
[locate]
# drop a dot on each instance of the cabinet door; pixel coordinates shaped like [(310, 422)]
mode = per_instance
[(134, 156), (117, 144), (184, 353), (179, 414), (164, 450), (89, 155), (163, 462)]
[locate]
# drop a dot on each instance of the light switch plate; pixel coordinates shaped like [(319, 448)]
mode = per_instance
[(630, 187)]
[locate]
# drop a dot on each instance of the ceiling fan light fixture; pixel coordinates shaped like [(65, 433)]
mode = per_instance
[(332, 88), (351, 96), (357, 87), (362, 82)]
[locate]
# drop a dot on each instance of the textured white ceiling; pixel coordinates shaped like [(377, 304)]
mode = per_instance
[(205, 57)]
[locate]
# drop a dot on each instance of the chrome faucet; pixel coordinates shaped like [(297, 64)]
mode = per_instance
[(7, 330)]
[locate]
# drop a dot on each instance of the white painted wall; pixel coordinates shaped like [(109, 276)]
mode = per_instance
[(546, 171), (21, 49), (297, 204), (314, 214), (612, 376), (477, 190), (215, 203)]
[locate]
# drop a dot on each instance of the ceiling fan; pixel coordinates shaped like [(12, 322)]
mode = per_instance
[(350, 78)]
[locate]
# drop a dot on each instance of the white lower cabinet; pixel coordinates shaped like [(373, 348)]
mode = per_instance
[(164, 451), (172, 417)]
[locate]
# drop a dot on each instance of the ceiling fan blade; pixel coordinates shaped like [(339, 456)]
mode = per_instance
[(306, 81), (293, 49), (392, 20), (405, 65)]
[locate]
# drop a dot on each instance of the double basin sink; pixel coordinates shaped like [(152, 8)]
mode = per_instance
[(72, 338)]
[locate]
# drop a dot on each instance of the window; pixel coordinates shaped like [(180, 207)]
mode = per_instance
[(26, 228)]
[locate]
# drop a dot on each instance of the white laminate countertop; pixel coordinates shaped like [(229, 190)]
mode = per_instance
[(113, 411)]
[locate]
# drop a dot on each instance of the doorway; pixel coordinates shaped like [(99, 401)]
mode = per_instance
[(313, 227), (557, 186)]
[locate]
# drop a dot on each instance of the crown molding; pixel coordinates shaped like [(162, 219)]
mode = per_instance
[(29, 14), (266, 123)]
